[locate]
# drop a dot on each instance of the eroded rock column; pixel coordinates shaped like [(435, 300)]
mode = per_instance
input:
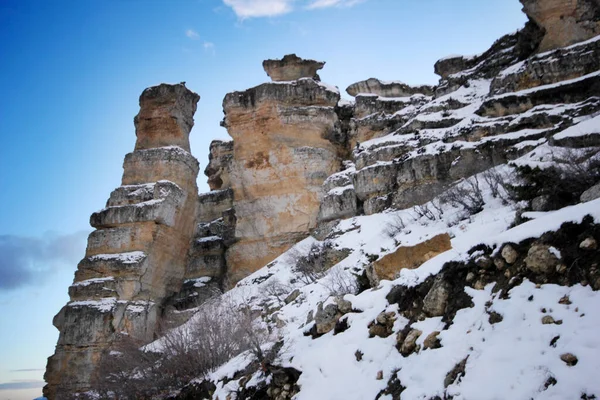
[(286, 142), (137, 255)]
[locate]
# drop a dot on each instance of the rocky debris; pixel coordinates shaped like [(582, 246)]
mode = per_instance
[(292, 296), (564, 22), (410, 257), (592, 193), (291, 68), (166, 117), (383, 325), (219, 164), (549, 320), (196, 391), (409, 343), (588, 244), (541, 259), (285, 146), (456, 373), (136, 259), (569, 359), (326, 318), (434, 303), (432, 341), (509, 254), (387, 89)]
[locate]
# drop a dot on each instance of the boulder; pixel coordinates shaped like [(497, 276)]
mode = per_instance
[(590, 194), (509, 254), (409, 345), (390, 265), (291, 68), (326, 318), (434, 303), (541, 260)]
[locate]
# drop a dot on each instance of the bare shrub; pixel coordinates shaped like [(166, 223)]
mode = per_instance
[(424, 211), (467, 195), (340, 282), (274, 288), (394, 226), (218, 332), (312, 266), (499, 184)]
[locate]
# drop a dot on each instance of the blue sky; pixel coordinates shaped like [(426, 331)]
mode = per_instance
[(71, 74)]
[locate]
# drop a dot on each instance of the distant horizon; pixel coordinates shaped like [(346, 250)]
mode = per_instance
[(72, 80)]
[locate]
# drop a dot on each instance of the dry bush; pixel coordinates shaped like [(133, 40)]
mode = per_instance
[(394, 226), (467, 195), (340, 282), (424, 211), (312, 266), (217, 333), (499, 184)]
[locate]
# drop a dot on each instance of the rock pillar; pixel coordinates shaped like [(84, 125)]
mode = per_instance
[(286, 142), (137, 255)]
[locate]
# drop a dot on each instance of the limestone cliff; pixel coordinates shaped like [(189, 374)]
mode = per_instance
[(300, 162), (137, 256)]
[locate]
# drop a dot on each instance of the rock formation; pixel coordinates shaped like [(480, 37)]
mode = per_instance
[(564, 21), (136, 258), (301, 161), (286, 141), (291, 68)]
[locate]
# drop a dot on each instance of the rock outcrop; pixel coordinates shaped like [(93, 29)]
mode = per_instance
[(285, 143), (564, 21), (291, 68), (387, 89), (137, 256)]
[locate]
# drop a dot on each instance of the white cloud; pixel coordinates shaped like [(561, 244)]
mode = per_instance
[(332, 3), (208, 45), (259, 8), (270, 8), (192, 34)]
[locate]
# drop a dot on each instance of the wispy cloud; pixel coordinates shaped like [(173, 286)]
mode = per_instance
[(24, 260), (332, 3), (208, 45), (13, 385), (259, 8), (192, 34), (270, 8), (27, 370)]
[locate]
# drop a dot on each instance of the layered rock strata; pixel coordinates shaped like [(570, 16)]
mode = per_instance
[(286, 141), (291, 68), (137, 256)]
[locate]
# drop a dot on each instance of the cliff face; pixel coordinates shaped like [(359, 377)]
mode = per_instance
[(303, 163), (137, 255)]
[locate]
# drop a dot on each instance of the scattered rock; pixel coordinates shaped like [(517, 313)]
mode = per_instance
[(499, 263), (589, 244), (456, 373), (495, 317), (592, 193), (541, 203), (379, 375), (359, 355), (434, 304), (292, 296), (509, 254), (383, 325), (565, 300), (548, 320), (432, 341), (326, 318), (344, 306), (409, 345), (569, 359), (541, 260)]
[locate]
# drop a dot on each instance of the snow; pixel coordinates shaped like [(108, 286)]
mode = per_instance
[(588, 127), (103, 305), (208, 239), (131, 257), (199, 282), (94, 281)]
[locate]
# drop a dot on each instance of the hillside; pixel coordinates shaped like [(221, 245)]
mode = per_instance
[(418, 242)]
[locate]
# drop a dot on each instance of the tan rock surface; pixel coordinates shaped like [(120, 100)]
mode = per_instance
[(283, 151), (291, 68), (566, 21), (137, 256), (409, 257), (387, 89)]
